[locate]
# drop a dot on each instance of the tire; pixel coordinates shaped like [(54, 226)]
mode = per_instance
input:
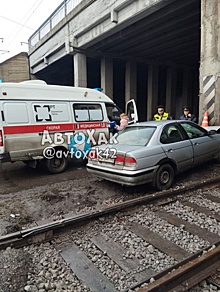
[(164, 177), (56, 165), (217, 159)]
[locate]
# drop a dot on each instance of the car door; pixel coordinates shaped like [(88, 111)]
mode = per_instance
[(176, 147), (204, 147), (131, 111)]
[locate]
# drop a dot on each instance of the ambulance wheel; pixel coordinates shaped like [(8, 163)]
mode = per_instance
[(56, 165)]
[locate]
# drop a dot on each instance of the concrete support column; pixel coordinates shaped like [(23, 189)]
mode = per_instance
[(131, 81), (107, 76), (152, 94), (80, 70), (210, 61), (191, 98), (185, 88), (171, 91)]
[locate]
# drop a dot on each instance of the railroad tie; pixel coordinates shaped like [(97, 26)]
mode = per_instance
[(204, 210), (159, 242), (84, 269), (190, 227), (115, 252)]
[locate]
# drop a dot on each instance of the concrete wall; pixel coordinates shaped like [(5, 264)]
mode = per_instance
[(210, 61)]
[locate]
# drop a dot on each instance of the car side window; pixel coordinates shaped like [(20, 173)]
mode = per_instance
[(192, 131), (171, 134)]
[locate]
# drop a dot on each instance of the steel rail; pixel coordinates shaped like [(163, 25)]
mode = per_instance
[(188, 273), (46, 232)]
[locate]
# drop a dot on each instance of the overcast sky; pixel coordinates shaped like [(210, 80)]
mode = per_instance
[(19, 19)]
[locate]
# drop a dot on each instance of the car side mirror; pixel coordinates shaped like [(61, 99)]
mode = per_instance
[(212, 132)]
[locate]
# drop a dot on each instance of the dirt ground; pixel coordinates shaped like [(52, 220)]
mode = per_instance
[(29, 197)]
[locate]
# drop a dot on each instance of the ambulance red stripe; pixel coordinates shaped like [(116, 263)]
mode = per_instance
[(27, 129)]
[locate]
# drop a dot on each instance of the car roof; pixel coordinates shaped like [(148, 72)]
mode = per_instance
[(156, 123)]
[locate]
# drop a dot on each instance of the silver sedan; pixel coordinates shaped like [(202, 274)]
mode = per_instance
[(154, 152)]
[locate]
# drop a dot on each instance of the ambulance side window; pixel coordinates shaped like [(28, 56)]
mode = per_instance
[(88, 112), (95, 112), (81, 112), (15, 113)]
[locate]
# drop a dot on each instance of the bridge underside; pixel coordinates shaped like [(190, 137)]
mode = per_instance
[(168, 38)]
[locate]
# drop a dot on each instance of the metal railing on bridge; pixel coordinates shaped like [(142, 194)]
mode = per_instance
[(66, 7)]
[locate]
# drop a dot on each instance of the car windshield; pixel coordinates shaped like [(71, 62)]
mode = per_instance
[(135, 135)]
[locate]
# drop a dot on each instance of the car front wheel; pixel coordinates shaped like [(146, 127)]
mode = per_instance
[(164, 177)]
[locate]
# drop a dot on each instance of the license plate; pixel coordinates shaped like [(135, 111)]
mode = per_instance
[(108, 160)]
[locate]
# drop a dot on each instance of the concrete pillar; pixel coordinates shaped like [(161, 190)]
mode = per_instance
[(152, 94), (191, 99), (185, 88), (210, 61), (131, 81), (80, 70), (171, 91), (107, 76), (188, 95)]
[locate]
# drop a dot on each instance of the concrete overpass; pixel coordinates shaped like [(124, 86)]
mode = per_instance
[(155, 51)]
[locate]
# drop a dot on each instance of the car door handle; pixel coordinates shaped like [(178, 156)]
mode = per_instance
[(195, 144), (169, 150)]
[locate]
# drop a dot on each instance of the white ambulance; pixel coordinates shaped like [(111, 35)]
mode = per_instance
[(49, 123)]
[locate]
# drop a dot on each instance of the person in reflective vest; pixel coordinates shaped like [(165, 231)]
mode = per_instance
[(161, 114)]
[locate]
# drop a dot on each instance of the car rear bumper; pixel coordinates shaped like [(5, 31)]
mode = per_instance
[(124, 177)]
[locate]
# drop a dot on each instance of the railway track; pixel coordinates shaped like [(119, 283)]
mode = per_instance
[(161, 242)]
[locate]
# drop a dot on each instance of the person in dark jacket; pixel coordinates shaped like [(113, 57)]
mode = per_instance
[(187, 115), (161, 114)]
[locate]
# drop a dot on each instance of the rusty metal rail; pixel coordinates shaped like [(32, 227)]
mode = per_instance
[(46, 232), (188, 274)]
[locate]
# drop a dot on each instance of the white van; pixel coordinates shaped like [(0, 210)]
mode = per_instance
[(49, 123)]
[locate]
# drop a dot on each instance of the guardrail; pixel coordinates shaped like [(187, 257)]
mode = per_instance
[(66, 7)]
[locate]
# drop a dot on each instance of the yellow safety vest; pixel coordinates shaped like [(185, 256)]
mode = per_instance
[(158, 117)]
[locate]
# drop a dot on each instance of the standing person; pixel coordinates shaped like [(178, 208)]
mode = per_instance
[(161, 114), (187, 115), (123, 122)]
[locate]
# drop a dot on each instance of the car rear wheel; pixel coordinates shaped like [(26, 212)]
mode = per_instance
[(56, 165), (164, 177)]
